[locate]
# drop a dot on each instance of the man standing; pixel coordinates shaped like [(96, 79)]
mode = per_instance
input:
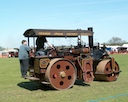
[(23, 56)]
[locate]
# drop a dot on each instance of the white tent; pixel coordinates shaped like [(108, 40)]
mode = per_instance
[(125, 45)]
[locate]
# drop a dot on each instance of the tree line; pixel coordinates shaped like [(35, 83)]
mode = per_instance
[(116, 41)]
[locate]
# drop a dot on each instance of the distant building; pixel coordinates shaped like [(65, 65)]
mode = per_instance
[(118, 49), (125, 45), (113, 48)]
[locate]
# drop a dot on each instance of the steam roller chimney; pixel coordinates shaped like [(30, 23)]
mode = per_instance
[(90, 37)]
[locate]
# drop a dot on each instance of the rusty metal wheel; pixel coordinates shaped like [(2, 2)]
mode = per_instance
[(61, 73), (106, 72), (114, 73)]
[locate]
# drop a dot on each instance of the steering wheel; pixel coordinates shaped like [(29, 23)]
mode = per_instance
[(52, 52)]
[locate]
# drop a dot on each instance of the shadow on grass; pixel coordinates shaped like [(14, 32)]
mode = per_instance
[(34, 86), (81, 83), (96, 80)]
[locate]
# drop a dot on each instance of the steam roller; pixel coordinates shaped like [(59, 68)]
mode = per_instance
[(60, 67), (107, 70), (61, 74)]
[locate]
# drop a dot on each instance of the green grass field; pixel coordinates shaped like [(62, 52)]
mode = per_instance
[(13, 88)]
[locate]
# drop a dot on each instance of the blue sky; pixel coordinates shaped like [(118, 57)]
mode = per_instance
[(109, 18)]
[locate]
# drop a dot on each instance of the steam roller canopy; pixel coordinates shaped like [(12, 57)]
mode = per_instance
[(107, 70), (61, 73)]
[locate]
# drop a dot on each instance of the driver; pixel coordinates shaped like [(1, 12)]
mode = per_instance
[(40, 41)]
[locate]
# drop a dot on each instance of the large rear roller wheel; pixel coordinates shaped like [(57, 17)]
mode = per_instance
[(61, 73), (106, 71)]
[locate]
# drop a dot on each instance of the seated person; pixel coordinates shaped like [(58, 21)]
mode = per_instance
[(40, 51)]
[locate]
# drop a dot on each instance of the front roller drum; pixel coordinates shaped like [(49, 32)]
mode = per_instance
[(106, 72), (61, 73)]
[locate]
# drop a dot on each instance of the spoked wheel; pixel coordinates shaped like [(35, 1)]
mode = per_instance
[(61, 73), (106, 71)]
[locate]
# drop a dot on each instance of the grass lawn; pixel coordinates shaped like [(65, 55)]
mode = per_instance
[(13, 88)]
